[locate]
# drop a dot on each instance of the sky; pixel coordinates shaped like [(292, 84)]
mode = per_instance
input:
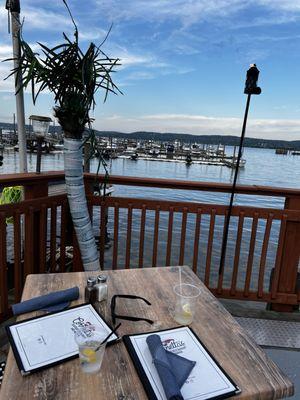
[(184, 62)]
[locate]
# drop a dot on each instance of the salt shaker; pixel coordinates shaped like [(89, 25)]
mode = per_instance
[(90, 290), (101, 290)]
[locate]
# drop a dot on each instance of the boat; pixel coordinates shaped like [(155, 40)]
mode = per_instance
[(58, 147), (134, 156), (153, 153), (233, 162), (170, 148), (220, 152), (188, 159), (281, 151)]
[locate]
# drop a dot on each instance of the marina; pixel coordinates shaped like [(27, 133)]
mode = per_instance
[(150, 150), (188, 153)]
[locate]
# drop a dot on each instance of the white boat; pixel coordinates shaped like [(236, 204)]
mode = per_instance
[(154, 152), (58, 146), (233, 162)]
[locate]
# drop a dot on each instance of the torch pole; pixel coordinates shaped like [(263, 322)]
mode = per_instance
[(228, 215), (39, 154), (14, 9)]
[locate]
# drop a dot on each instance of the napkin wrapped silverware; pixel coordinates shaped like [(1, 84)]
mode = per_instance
[(173, 370), (55, 301)]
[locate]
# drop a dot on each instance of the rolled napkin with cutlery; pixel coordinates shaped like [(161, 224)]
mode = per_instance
[(54, 301), (173, 370)]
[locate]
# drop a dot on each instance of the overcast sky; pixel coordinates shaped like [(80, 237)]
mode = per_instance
[(183, 62)]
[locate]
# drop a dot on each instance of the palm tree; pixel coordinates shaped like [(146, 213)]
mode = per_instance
[(73, 76)]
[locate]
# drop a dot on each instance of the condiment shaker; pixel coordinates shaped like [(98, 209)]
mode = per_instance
[(90, 290), (101, 289)]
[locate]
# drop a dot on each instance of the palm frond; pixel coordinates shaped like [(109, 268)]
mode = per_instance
[(73, 76)]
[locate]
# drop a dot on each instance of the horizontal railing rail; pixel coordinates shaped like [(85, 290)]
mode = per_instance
[(262, 253), (257, 190), (266, 286), (50, 177)]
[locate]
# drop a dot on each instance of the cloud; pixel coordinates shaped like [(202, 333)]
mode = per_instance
[(141, 66), (130, 59), (285, 5), (41, 19), (201, 124), (5, 67), (92, 35), (190, 12), (5, 51), (186, 11), (7, 85), (277, 19)]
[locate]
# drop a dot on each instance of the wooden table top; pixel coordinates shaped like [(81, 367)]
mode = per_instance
[(250, 368)]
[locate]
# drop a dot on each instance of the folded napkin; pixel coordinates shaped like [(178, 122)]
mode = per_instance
[(173, 370), (55, 301)]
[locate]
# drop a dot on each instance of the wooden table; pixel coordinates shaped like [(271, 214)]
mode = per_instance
[(256, 375)]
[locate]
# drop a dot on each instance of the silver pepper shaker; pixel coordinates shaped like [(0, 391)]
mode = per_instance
[(101, 289), (90, 290)]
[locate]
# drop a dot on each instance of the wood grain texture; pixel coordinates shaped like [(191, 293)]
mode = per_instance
[(256, 375)]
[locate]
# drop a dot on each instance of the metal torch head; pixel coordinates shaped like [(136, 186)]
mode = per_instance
[(251, 80)]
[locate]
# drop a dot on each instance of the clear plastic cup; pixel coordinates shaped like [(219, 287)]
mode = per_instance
[(91, 351), (186, 299)]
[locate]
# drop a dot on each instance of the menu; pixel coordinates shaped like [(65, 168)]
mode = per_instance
[(207, 379), (50, 339)]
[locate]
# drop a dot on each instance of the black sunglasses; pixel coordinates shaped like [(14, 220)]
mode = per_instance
[(114, 316)]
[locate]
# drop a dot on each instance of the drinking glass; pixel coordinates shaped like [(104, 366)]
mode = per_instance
[(91, 351), (186, 298)]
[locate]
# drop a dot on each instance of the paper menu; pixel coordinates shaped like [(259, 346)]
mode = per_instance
[(206, 381), (49, 339)]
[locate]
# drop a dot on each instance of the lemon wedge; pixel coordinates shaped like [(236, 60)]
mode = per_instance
[(187, 312), (90, 354)]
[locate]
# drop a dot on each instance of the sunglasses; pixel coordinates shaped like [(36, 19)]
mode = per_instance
[(115, 316)]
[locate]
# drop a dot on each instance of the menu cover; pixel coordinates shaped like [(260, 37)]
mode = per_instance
[(207, 379), (44, 341)]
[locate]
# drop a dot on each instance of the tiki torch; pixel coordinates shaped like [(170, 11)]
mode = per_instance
[(250, 88)]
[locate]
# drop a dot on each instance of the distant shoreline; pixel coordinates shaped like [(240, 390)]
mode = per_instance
[(227, 140)]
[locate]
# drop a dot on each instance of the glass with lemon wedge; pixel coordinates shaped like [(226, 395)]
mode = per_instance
[(186, 302), (91, 351)]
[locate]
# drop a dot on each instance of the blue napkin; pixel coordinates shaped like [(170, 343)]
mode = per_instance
[(173, 370), (55, 301)]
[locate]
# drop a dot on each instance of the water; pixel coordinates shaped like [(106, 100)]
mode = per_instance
[(91, 356), (263, 167), (186, 298)]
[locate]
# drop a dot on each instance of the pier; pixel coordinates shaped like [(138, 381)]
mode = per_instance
[(175, 151), (9, 139)]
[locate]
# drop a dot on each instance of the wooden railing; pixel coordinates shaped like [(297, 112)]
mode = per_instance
[(262, 255)]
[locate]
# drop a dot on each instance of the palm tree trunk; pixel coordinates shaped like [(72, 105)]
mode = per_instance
[(78, 204)]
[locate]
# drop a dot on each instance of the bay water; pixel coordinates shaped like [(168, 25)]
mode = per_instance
[(263, 167)]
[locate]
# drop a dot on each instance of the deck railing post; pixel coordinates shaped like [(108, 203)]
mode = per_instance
[(290, 258), (32, 244)]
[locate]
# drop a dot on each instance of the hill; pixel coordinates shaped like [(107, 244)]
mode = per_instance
[(227, 140)]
